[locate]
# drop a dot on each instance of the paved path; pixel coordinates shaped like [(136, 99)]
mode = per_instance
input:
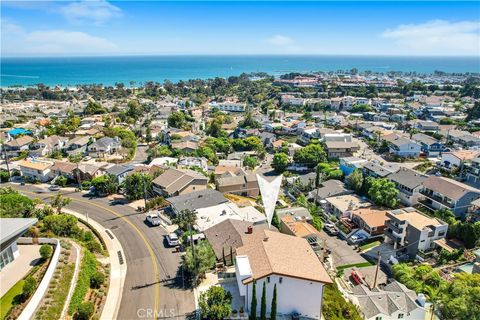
[(153, 280)]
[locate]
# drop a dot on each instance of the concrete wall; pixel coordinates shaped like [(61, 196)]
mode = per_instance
[(37, 297)]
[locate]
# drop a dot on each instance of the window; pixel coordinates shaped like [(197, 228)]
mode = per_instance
[(268, 279), (280, 280), (400, 316), (378, 318)]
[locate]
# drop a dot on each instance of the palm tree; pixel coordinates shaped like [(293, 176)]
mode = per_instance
[(434, 296), (184, 219)]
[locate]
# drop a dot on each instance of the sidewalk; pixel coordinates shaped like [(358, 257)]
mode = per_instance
[(118, 271)]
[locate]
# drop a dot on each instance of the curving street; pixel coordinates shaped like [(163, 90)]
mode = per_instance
[(154, 279)]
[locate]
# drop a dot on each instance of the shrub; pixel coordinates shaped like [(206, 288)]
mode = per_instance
[(85, 311), (29, 287), (97, 279), (61, 181), (46, 251), (87, 269)]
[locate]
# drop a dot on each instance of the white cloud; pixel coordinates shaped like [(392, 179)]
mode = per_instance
[(18, 42), (280, 40), (90, 11), (437, 37)]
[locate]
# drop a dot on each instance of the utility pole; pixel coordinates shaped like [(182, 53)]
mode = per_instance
[(376, 270), (144, 193), (193, 253)]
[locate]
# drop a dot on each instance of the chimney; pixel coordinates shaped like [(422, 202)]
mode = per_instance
[(249, 230)]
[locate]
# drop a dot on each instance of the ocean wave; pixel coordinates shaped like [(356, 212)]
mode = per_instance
[(19, 76)]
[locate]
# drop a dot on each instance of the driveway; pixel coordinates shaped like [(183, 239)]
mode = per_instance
[(342, 253), (140, 155)]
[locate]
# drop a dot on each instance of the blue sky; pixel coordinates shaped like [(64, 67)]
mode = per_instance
[(98, 27)]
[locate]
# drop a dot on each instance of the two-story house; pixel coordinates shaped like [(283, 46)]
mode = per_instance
[(287, 263), (36, 170), (409, 183), (410, 229), (47, 145), (429, 145), (104, 147), (174, 182), (244, 185), (402, 147), (445, 193), (15, 147)]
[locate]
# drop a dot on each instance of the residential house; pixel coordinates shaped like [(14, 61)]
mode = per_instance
[(414, 231), (63, 168), (458, 159), (298, 213), (445, 193), (339, 149), (174, 182), (15, 147), (192, 162), (342, 206), (35, 169), (47, 145), (226, 236), (267, 139), (429, 145), (285, 261), (120, 171), (77, 145), (185, 146), (227, 171), (302, 229), (409, 183), (371, 220), (12, 229), (329, 188), (376, 169), (196, 200), (431, 126), (402, 147), (88, 171), (104, 147), (350, 164), (393, 301), (473, 172), (244, 185), (229, 106)]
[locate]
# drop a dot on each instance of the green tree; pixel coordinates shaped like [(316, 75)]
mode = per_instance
[(45, 251), (14, 204), (94, 107), (214, 128), (159, 151), (253, 306), (460, 299), (185, 219), (137, 184), (61, 181), (176, 120), (62, 225), (355, 180), (273, 308), (105, 185), (97, 280), (59, 202), (275, 220), (204, 259), (280, 162), (134, 109), (215, 303), (382, 192), (263, 304), (250, 162), (310, 155)]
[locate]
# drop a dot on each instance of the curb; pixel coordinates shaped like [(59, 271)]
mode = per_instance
[(118, 267)]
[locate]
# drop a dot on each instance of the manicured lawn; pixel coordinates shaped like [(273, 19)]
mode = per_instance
[(369, 245), (6, 302)]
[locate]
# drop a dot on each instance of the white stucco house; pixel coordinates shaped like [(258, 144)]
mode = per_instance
[(35, 169), (284, 261)]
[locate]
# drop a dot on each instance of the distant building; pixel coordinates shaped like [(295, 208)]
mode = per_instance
[(229, 106), (340, 149)]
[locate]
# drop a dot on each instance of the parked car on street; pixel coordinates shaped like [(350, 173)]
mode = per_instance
[(173, 240), (153, 219), (54, 187), (330, 229)]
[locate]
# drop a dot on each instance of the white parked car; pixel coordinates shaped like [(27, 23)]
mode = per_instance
[(357, 238), (153, 219), (172, 239), (54, 187)]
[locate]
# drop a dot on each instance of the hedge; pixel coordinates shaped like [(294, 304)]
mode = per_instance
[(87, 269)]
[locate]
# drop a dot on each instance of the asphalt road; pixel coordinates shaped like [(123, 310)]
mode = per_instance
[(154, 276)]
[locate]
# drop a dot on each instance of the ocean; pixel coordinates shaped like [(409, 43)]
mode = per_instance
[(134, 70)]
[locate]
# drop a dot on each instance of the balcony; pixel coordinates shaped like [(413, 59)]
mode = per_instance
[(396, 238), (430, 195), (396, 228)]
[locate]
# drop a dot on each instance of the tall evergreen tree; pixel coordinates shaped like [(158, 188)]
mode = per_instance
[(273, 309), (231, 256), (253, 306), (263, 306)]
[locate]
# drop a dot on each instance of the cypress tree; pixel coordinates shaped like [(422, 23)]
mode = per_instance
[(273, 309), (253, 306), (223, 257), (263, 306), (231, 256)]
